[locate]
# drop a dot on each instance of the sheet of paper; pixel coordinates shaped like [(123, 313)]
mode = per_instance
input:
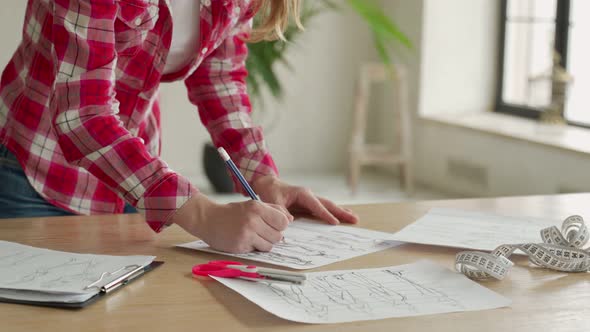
[(309, 244), (420, 288), (33, 296), (472, 230), (36, 269)]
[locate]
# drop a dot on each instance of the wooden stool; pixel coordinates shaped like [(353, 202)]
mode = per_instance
[(361, 153)]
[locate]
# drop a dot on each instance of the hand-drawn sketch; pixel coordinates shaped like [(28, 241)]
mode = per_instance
[(294, 296), (36, 269), (275, 257), (343, 289), (62, 273), (422, 291), (338, 294), (309, 244), (303, 247), (343, 296), (16, 258)]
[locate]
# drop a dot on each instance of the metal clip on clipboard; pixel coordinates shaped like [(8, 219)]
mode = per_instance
[(136, 271)]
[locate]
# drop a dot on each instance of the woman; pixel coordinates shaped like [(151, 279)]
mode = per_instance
[(80, 121)]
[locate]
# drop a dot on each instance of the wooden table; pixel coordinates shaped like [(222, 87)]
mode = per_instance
[(169, 299)]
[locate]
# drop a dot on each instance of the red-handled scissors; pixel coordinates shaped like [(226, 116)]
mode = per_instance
[(231, 269)]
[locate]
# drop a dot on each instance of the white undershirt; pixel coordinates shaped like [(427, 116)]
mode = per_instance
[(185, 35)]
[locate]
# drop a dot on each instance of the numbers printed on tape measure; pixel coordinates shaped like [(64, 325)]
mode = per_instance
[(560, 250)]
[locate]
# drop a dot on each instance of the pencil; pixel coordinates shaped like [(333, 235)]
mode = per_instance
[(237, 173)]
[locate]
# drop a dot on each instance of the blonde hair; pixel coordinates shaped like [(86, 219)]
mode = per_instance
[(274, 18)]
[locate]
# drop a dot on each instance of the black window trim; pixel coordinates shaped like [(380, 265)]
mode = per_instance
[(561, 39)]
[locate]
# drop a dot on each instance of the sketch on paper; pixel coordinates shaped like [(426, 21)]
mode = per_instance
[(343, 296), (309, 244), (394, 289), (60, 273), (36, 269)]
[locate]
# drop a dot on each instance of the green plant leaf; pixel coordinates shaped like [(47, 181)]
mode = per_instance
[(263, 56), (379, 22), (381, 49)]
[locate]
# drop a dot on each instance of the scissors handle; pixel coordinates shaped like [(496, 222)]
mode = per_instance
[(221, 269), (231, 269), (236, 265)]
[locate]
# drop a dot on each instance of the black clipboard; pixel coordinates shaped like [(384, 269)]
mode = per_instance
[(78, 305)]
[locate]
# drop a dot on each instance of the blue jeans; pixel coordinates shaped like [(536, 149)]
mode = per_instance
[(18, 199)]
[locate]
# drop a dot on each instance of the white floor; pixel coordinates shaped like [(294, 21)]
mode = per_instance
[(373, 188)]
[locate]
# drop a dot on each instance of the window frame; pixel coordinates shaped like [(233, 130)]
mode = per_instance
[(562, 25)]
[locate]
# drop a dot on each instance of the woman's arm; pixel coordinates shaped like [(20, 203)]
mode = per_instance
[(84, 112), (218, 89)]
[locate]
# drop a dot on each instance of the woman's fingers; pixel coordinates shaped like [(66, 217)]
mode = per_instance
[(283, 210), (261, 244), (343, 214), (307, 200), (274, 216)]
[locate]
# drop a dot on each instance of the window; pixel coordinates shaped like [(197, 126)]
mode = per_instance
[(533, 32)]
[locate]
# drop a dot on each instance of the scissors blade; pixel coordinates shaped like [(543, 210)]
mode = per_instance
[(271, 274), (243, 268), (282, 278), (252, 279)]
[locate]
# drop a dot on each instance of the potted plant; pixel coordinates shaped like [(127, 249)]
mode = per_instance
[(264, 56)]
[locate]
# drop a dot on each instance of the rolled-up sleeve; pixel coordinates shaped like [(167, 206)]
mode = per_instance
[(218, 89), (84, 112)]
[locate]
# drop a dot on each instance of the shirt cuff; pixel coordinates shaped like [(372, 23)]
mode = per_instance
[(253, 166), (162, 201)]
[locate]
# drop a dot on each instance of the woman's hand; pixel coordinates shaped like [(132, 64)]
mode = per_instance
[(236, 227), (254, 225), (299, 200)]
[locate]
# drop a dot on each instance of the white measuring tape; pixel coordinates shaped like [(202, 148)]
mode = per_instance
[(560, 250)]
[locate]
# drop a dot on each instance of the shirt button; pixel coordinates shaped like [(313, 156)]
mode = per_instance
[(141, 140), (204, 50), (138, 21)]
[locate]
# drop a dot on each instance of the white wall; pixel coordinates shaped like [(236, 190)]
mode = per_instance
[(11, 23), (458, 73), (459, 52)]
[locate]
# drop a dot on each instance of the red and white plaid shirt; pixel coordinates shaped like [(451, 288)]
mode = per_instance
[(79, 102)]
